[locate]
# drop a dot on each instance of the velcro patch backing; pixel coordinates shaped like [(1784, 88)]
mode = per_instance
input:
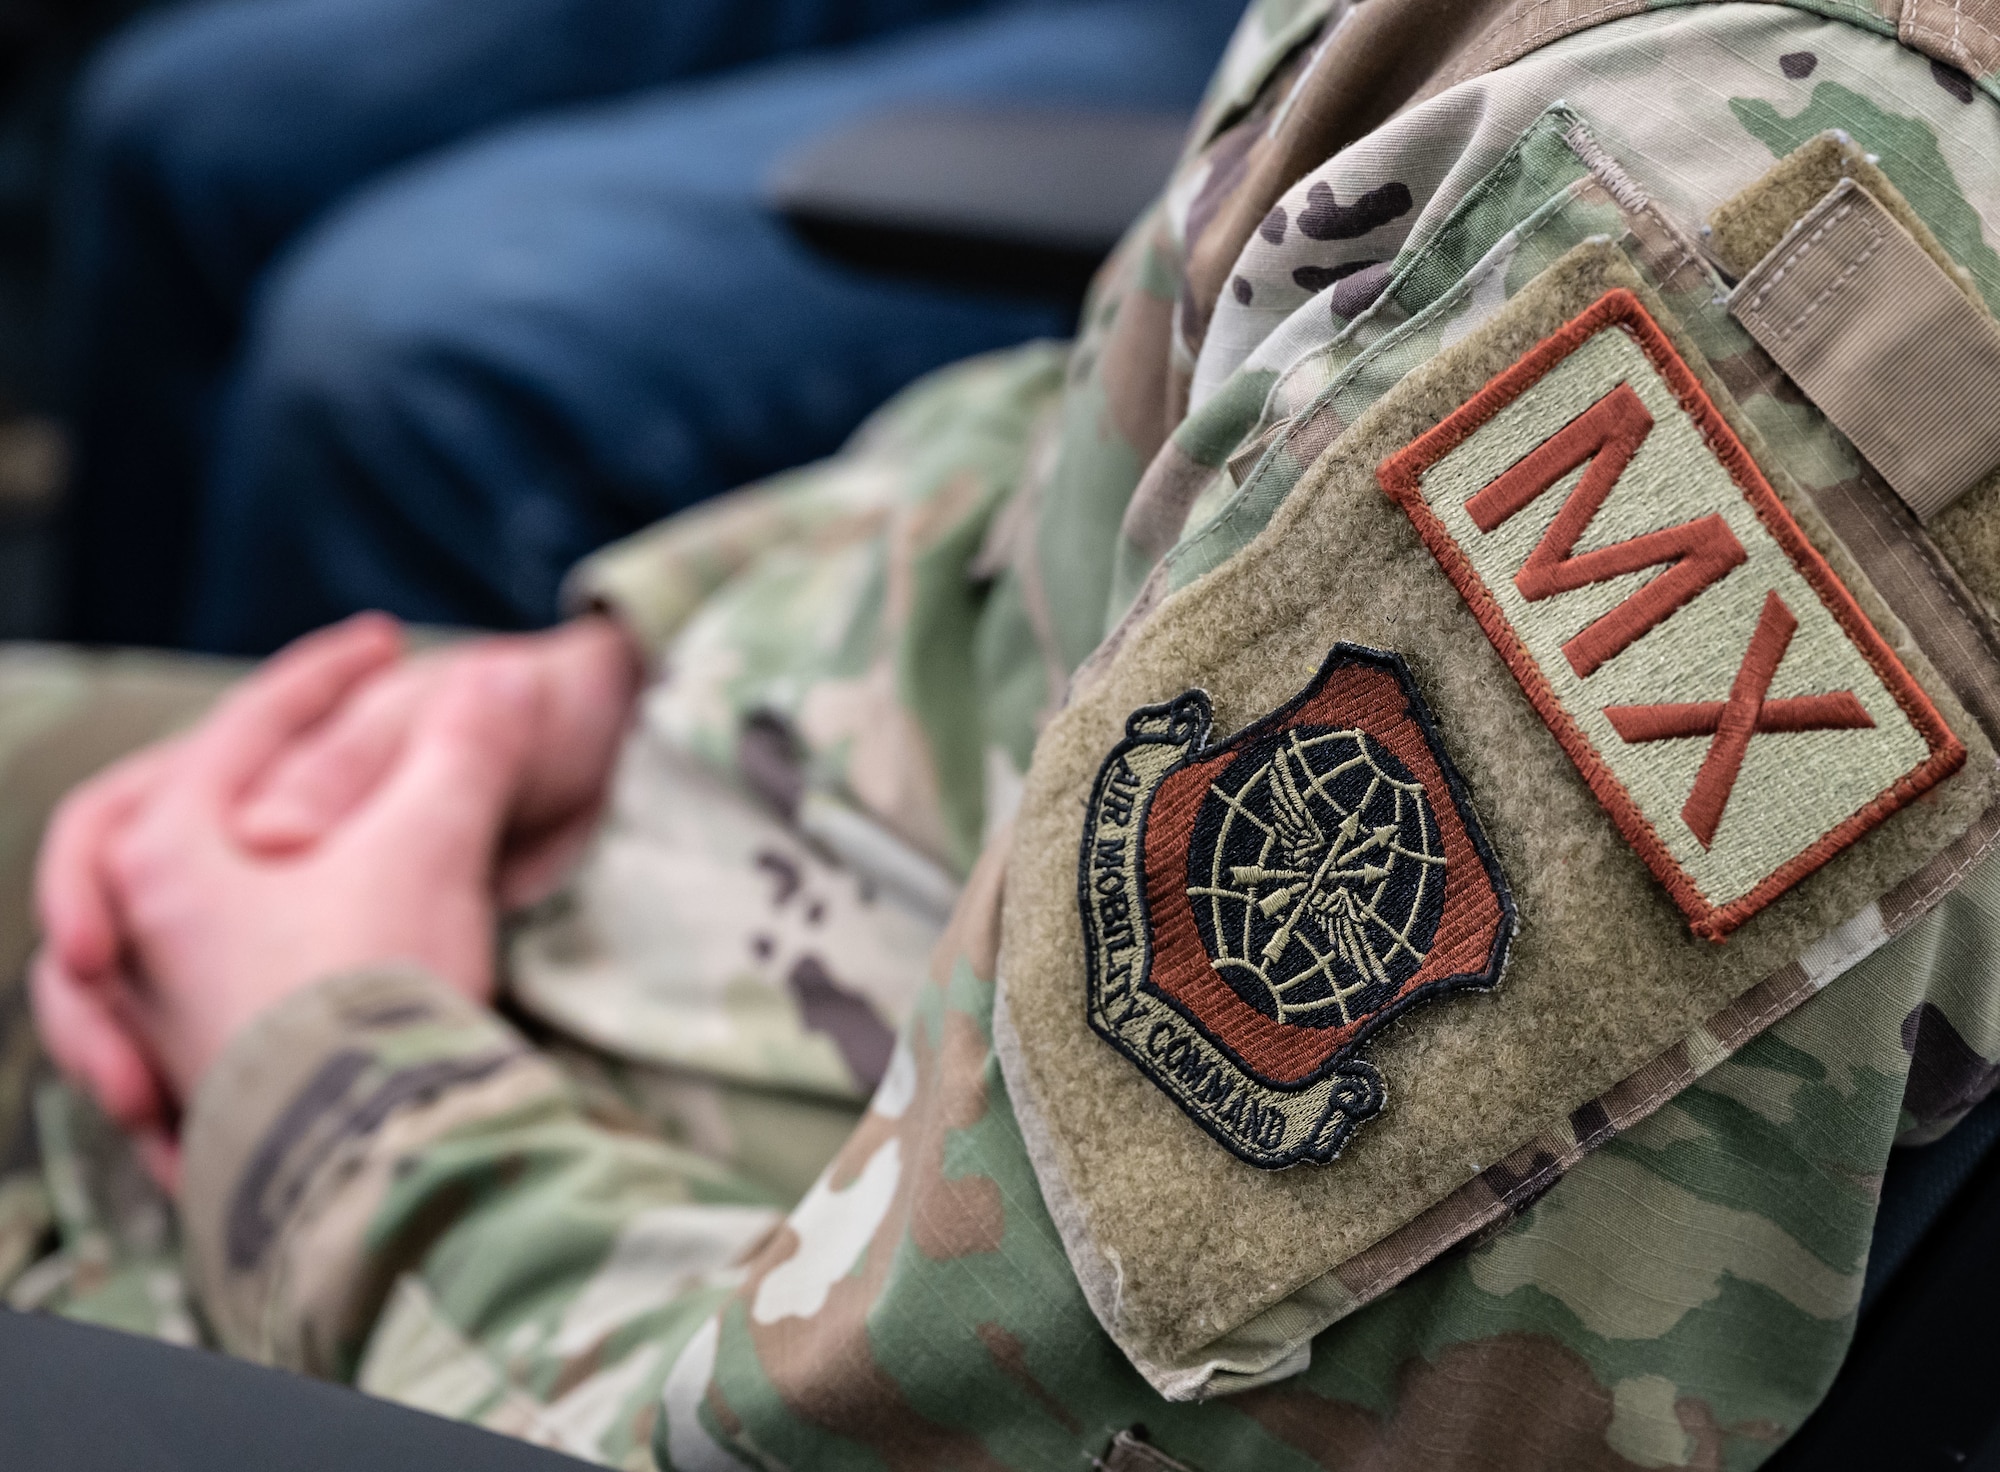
[(1211, 1275), (1720, 691)]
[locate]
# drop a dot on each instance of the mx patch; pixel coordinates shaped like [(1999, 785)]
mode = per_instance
[(1721, 692), (1255, 911)]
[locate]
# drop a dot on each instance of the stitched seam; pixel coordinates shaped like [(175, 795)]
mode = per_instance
[(1685, 255), (1538, 219), (1930, 560), (1834, 288), (1626, 191), (1547, 28), (1792, 257), (1620, 185), (1954, 37), (1507, 41), (1925, 898), (1927, 558)]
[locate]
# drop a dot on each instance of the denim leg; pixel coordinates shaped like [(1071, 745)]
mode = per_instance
[(507, 354), (207, 135)]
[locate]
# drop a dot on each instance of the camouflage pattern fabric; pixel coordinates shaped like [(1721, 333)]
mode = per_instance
[(583, 1243), (82, 1230), (75, 1205)]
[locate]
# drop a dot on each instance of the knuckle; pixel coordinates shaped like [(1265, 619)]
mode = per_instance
[(71, 816), (134, 861)]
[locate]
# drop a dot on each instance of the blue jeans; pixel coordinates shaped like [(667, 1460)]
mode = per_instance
[(410, 303)]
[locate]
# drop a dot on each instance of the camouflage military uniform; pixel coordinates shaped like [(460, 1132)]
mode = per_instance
[(833, 824)]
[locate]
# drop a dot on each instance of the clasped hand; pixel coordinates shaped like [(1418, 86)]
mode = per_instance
[(344, 806)]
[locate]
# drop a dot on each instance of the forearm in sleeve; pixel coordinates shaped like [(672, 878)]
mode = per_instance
[(384, 1181)]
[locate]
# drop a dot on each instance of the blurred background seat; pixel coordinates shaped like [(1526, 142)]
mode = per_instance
[(75, 1398), (1026, 200)]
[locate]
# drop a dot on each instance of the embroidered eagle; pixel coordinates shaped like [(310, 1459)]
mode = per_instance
[(1324, 880)]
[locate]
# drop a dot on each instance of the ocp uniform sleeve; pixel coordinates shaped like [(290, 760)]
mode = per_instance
[(1683, 1292), (411, 1199), (387, 1183)]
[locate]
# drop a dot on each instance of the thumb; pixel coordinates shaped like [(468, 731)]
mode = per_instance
[(447, 801)]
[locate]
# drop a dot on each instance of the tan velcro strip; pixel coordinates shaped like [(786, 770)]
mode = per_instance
[(1884, 343)]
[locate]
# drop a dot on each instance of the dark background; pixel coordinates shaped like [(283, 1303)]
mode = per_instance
[(42, 44)]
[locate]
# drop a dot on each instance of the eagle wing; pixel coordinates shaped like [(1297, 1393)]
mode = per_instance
[(1298, 831)]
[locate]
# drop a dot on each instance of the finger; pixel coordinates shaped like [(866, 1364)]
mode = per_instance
[(593, 656), (330, 770), (159, 1151), (533, 867), (296, 688), (71, 896), (86, 1042), (589, 673), (448, 800)]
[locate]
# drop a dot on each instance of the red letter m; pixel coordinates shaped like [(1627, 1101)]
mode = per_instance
[(1608, 435)]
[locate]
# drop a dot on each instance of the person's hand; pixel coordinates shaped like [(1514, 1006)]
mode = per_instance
[(79, 973), (217, 933), (73, 976), (586, 674)]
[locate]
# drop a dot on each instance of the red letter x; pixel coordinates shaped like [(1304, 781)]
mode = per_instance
[(1731, 723)]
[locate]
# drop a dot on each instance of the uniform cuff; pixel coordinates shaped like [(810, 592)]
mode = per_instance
[(654, 580), (292, 1141)]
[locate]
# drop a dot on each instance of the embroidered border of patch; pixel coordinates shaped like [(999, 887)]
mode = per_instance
[(1660, 689), (1254, 912)]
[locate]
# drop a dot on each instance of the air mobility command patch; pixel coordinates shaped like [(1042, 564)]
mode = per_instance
[(1254, 912), (1720, 691)]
